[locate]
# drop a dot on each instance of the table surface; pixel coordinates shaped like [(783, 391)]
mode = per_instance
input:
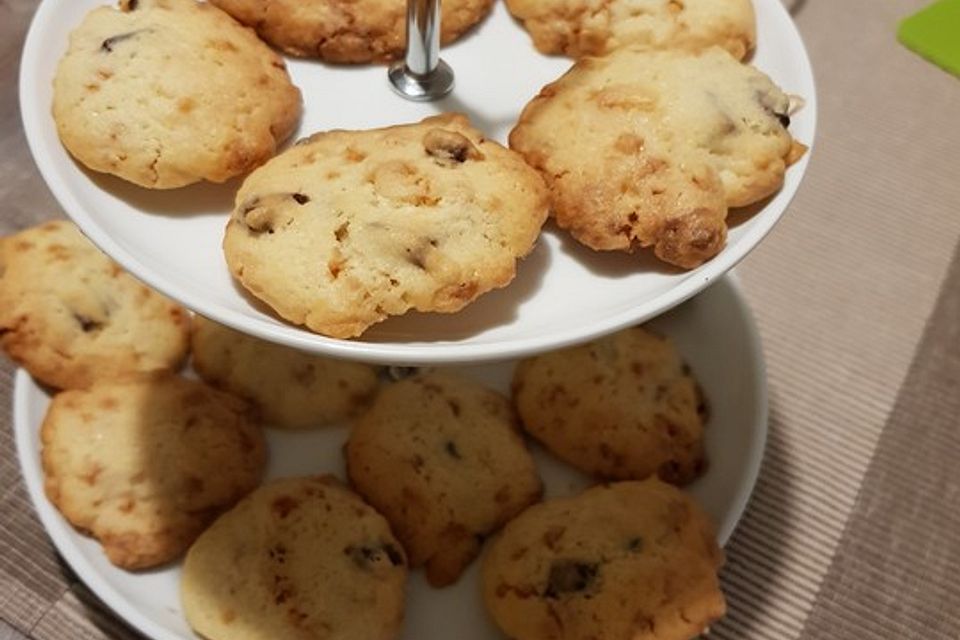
[(854, 529)]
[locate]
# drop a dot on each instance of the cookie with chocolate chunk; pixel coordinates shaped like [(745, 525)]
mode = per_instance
[(596, 27), (346, 32), (165, 93), (145, 465), (298, 558), (71, 316), (442, 458), (622, 407), (293, 389), (627, 560), (348, 228), (649, 149)]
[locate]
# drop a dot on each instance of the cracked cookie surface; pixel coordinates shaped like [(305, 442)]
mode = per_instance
[(297, 558), (71, 316), (343, 31), (293, 389), (443, 459), (623, 407), (145, 465), (596, 27), (660, 145), (347, 228), (165, 93), (634, 560)]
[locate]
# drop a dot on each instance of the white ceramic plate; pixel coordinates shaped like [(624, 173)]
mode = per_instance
[(717, 338), (563, 293)]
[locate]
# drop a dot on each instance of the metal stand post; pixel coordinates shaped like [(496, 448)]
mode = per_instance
[(422, 75)]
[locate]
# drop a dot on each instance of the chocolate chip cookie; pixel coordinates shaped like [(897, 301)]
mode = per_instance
[(346, 32), (145, 465), (596, 27), (442, 458), (649, 149), (165, 93), (628, 560), (298, 558), (292, 389), (348, 228), (622, 407), (71, 316)]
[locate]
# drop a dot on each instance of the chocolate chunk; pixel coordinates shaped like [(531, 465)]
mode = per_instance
[(301, 198), (451, 448), (396, 558), (784, 119), (250, 205), (570, 576), (88, 325), (367, 557), (108, 44), (450, 147)]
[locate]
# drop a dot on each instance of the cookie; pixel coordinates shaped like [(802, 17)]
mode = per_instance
[(165, 93), (622, 407), (596, 27), (298, 558), (635, 560), (349, 227), (146, 464), (292, 389), (346, 32), (71, 316), (442, 458), (650, 149)]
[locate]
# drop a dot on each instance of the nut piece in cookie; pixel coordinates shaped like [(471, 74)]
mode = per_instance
[(358, 31), (297, 558), (649, 149), (634, 560), (71, 316), (347, 228), (442, 458), (165, 93), (596, 27), (145, 465), (622, 407), (292, 389)]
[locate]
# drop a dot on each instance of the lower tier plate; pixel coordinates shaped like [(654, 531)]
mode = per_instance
[(717, 338)]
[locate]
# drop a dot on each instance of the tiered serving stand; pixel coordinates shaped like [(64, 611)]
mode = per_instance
[(563, 294)]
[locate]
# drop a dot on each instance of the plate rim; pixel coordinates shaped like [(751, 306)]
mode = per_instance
[(64, 537), (37, 120)]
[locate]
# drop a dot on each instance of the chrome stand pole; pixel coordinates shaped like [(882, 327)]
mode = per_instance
[(422, 75)]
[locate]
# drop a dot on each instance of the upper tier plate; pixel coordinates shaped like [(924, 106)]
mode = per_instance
[(563, 293)]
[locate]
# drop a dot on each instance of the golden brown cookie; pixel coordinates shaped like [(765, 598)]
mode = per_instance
[(292, 389), (596, 27), (622, 407), (71, 316), (349, 227), (298, 558), (442, 458), (635, 560), (346, 31), (649, 149), (164, 93), (145, 465)]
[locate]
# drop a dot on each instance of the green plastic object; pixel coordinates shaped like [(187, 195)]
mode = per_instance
[(934, 33)]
